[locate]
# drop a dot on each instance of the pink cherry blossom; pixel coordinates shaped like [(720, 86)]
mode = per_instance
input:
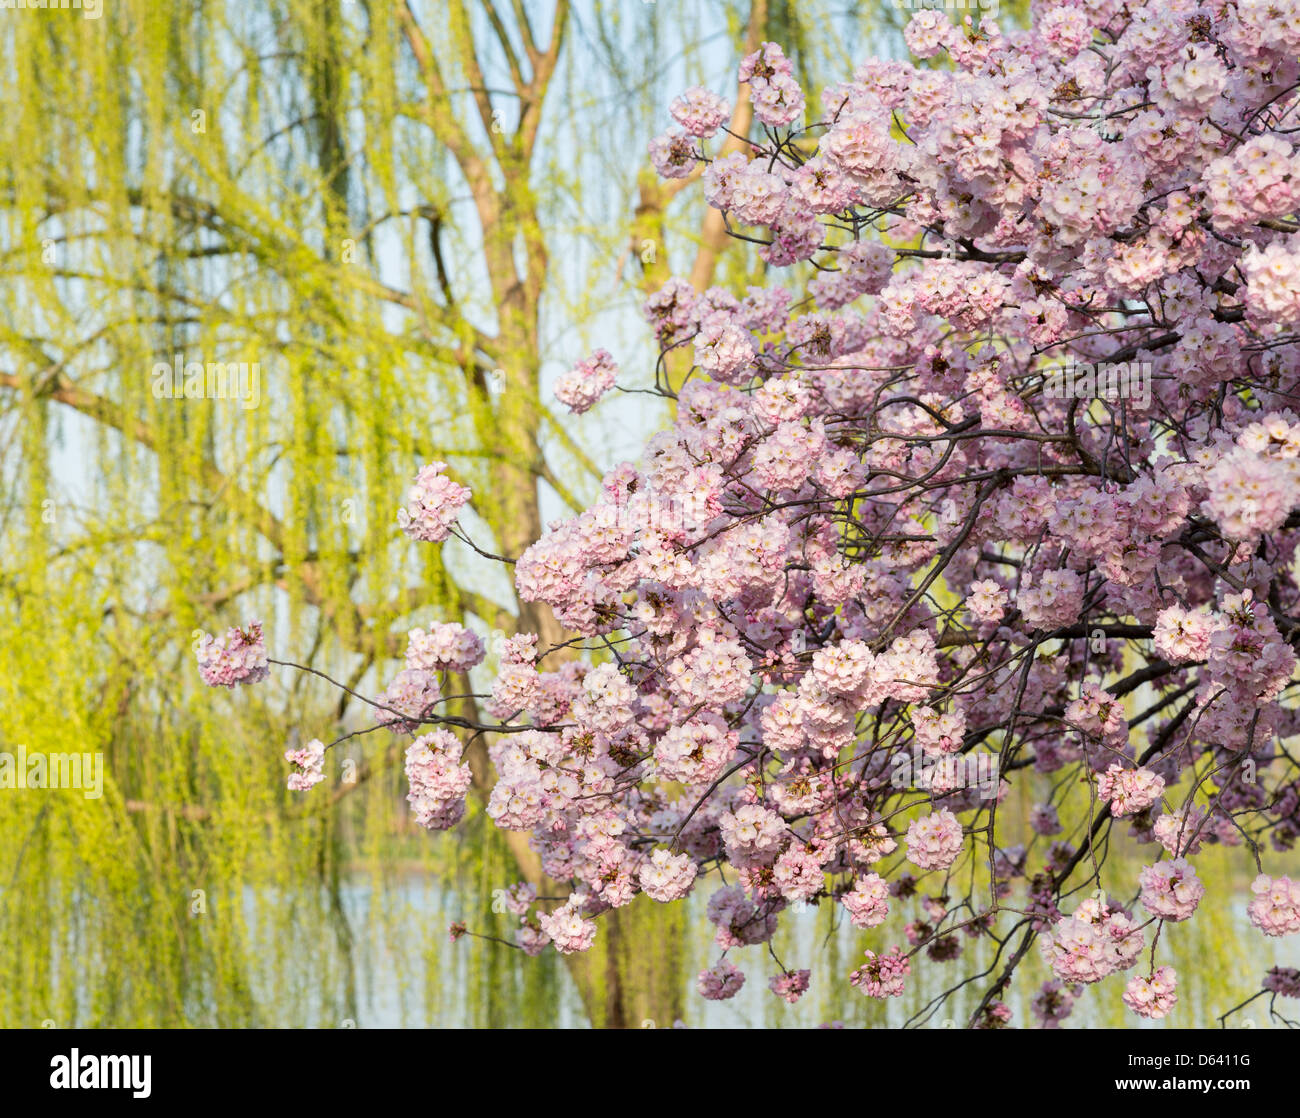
[(308, 765), (790, 986), (700, 111), (585, 383), (721, 981), (866, 901), (238, 657), (882, 976), (1171, 890), (667, 877), (1152, 996), (934, 841), (433, 503), (1129, 790), (1092, 943), (438, 780), (1275, 909)]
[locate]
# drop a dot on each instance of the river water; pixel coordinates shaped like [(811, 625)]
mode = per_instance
[(394, 965)]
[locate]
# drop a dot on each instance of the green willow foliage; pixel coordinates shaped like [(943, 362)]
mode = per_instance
[(392, 216)]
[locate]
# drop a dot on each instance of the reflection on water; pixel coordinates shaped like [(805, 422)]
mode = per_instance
[(402, 970), (318, 946)]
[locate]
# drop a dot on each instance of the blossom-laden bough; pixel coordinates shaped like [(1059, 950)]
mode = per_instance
[(883, 527)]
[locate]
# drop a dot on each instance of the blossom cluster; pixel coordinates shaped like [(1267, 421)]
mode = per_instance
[(238, 657), (1171, 890), (307, 765), (433, 503), (443, 647), (1092, 943), (438, 780), (1275, 909), (585, 383), (1152, 996)]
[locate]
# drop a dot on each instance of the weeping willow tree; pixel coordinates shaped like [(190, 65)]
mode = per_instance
[(259, 263)]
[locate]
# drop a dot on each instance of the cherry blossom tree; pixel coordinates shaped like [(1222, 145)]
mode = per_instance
[(995, 484)]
